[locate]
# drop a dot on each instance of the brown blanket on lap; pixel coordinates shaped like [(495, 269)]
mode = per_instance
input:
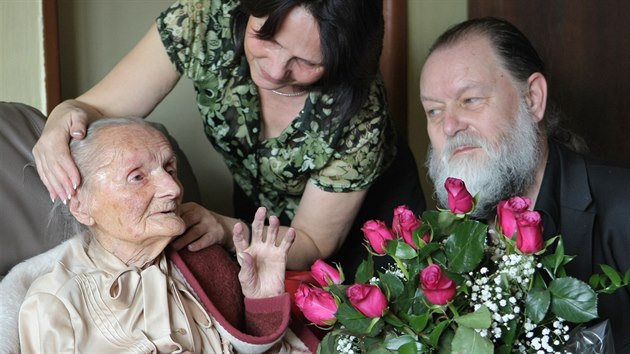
[(213, 275)]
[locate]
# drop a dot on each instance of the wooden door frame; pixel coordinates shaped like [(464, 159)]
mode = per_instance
[(51, 54)]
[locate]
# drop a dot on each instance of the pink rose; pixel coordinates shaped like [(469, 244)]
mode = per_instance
[(529, 237), (377, 233), (437, 287), (459, 199), (317, 305), (325, 274), (508, 210), (367, 299), (404, 223)]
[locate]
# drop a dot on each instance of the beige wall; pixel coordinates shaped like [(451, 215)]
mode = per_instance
[(22, 53), (95, 34), (427, 20)]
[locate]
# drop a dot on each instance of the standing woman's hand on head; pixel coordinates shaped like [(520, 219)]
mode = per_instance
[(262, 262), (55, 166), (134, 87)]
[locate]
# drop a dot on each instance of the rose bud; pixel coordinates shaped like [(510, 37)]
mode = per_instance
[(325, 274), (367, 299), (459, 199), (404, 223), (529, 237), (317, 305), (508, 210), (377, 233), (437, 287)]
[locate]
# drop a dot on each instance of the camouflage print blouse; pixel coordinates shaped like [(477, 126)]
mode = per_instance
[(315, 147)]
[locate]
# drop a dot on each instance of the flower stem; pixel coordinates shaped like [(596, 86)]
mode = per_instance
[(453, 309), (402, 267)]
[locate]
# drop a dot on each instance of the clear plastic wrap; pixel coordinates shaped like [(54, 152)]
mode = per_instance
[(597, 339)]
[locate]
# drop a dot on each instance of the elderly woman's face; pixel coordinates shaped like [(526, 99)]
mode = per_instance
[(134, 196)]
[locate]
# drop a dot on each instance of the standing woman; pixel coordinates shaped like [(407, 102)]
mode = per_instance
[(290, 95)]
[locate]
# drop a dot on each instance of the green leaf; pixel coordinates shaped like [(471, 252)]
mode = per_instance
[(392, 284), (365, 272), (418, 235), (537, 304), (550, 241), (434, 337), (373, 346), (465, 246), (408, 348), (479, 319), (445, 342), (378, 350), (400, 249), (431, 217), (626, 278), (594, 281), (356, 322), (446, 219), (427, 250), (418, 322), (538, 282), (393, 320), (328, 345), (559, 254), (612, 274), (467, 340), (573, 300), (508, 338), (549, 264), (395, 343)]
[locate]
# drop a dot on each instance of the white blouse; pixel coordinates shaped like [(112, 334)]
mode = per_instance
[(93, 302)]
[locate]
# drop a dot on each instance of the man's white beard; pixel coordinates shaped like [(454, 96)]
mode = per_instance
[(508, 168)]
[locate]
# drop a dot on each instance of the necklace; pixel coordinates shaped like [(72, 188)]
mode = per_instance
[(299, 93)]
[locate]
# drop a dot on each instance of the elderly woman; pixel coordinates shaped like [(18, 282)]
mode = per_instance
[(116, 289)]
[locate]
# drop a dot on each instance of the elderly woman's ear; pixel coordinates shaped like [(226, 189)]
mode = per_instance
[(80, 210)]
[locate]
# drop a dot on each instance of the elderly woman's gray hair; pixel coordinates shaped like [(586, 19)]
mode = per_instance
[(85, 153)]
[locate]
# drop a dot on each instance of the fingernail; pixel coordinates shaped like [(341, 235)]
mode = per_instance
[(77, 133), (74, 186), (64, 202), (69, 196)]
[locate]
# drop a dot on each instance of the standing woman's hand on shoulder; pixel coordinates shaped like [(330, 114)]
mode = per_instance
[(263, 262), (204, 228)]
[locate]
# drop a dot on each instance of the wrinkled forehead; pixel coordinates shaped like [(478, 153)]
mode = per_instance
[(137, 144), (467, 62)]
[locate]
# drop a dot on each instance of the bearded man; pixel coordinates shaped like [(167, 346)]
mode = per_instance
[(484, 92)]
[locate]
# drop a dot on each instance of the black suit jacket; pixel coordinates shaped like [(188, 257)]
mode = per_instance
[(589, 204)]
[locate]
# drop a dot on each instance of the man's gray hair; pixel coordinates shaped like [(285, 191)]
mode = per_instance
[(519, 57)]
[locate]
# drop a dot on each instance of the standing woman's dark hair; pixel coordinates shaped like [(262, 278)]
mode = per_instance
[(519, 57), (351, 33)]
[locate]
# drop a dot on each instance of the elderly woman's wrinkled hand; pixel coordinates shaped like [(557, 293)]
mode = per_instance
[(262, 261)]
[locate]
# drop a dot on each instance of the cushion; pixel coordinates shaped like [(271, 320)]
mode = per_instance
[(26, 202)]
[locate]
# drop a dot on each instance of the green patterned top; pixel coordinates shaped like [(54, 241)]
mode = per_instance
[(316, 147)]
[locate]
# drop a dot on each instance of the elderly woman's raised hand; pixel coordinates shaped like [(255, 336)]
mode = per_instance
[(262, 262)]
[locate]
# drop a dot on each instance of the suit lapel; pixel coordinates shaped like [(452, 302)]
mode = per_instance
[(576, 212)]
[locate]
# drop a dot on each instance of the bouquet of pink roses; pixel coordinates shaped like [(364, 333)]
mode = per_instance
[(455, 285)]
